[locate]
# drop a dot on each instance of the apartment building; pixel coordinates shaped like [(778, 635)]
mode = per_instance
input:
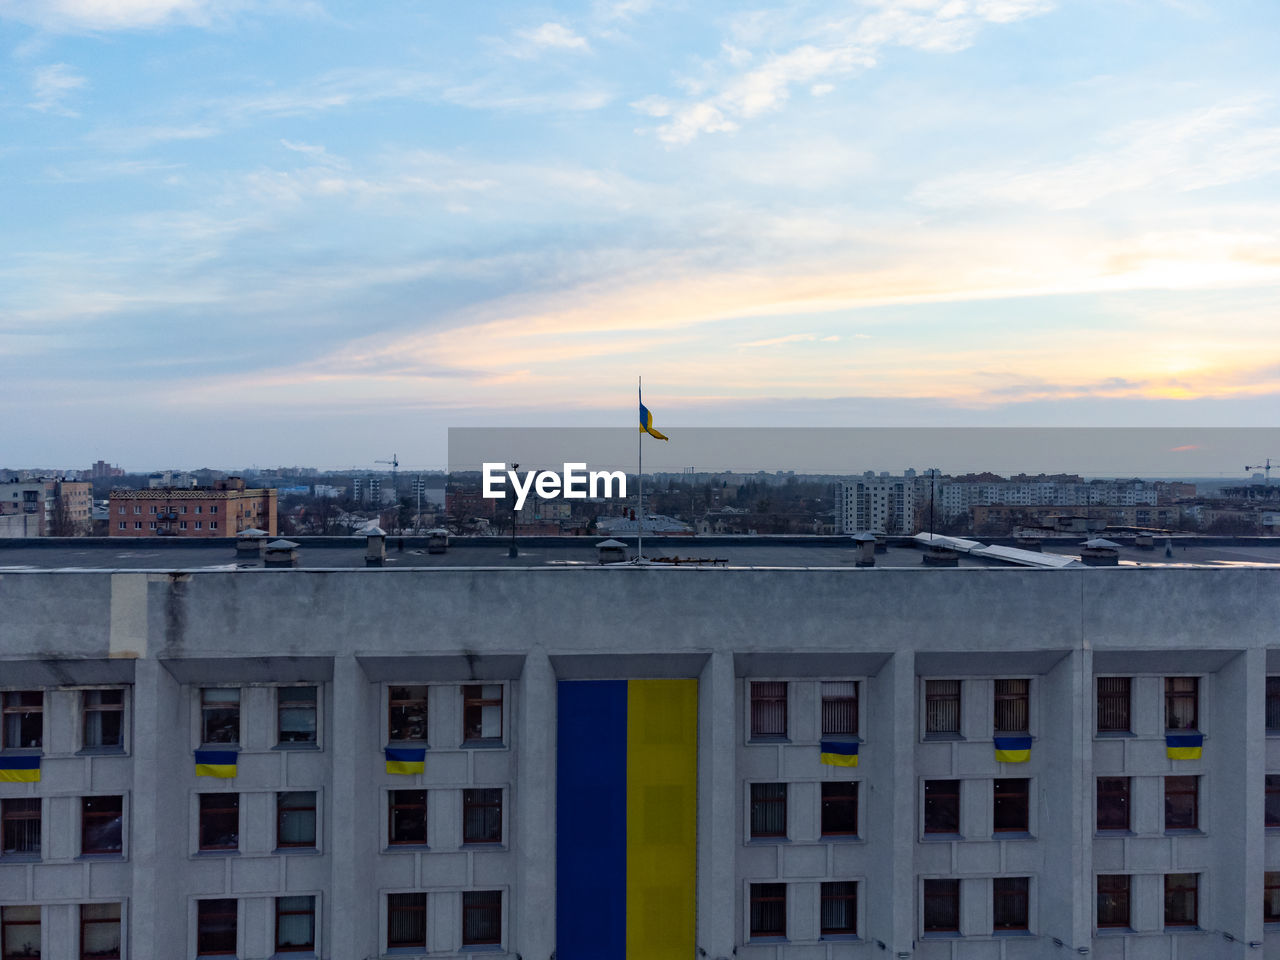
[(438, 761), (222, 510), (53, 506), (877, 503)]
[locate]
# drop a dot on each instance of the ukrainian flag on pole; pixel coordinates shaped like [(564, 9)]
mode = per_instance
[(646, 421)]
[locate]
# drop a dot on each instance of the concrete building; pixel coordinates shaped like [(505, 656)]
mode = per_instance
[(54, 506), (876, 503), (931, 847), (202, 512)]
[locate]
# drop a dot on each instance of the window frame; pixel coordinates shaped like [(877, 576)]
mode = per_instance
[(84, 922), (5, 923), (1113, 699), (947, 888), (282, 705), (235, 925), (87, 709), (1119, 885), (1194, 922), (477, 702), (281, 810), (86, 816), (477, 907), (200, 825), (762, 893), (853, 711), (209, 706), (1271, 882), (1182, 791), (392, 806), (765, 804), (1023, 895), (827, 893), (20, 710), (404, 945), (930, 697), (9, 816), (1008, 794), (1127, 796), (846, 801), (1172, 696), (939, 795), (765, 692), (1272, 786), (402, 703), (1010, 696), (1272, 699), (479, 804), (303, 948)]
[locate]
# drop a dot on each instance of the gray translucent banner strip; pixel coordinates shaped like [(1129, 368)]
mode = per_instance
[(1207, 452)]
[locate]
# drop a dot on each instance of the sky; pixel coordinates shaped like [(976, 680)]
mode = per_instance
[(308, 231)]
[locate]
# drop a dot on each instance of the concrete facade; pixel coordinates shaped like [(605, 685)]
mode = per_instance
[(163, 637), (197, 512)]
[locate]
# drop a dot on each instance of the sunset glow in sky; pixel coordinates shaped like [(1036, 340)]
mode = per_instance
[(310, 231)]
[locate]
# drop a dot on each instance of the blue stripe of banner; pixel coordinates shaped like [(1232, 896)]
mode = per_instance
[(591, 820), (1184, 740), (407, 754), (20, 763), (848, 749), (1013, 743), (217, 757)]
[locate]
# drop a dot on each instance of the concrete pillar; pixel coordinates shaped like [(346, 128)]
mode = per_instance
[(533, 933), (717, 807), (894, 802), (357, 735)]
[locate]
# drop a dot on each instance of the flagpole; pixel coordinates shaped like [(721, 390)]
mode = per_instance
[(639, 481)]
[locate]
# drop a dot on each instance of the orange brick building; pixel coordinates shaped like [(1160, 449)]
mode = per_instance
[(219, 511)]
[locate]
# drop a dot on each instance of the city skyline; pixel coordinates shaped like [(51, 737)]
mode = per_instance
[(316, 232)]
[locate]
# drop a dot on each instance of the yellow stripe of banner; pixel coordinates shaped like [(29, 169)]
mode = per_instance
[(19, 776), (662, 804), (223, 771), (1183, 753), (839, 759)]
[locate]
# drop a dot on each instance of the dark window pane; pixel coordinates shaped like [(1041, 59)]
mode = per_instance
[(101, 823), (768, 709), (1012, 706), (482, 816), (942, 706), (295, 923), (941, 906), (840, 808), (482, 711), (407, 719), (296, 714), (1181, 703), (1273, 704), (216, 927), (768, 810), (840, 908), (296, 819), (22, 724), (220, 715), (1181, 891), (1273, 800), (942, 806), (1009, 902), (768, 909), (1113, 803), (1113, 704), (840, 707), (1113, 900), (406, 920), (408, 816), (1181, 803), (1271, 897), (1009, 809), (219, 821), (20, 826), (103, 721), (100, 931), (481, 917)]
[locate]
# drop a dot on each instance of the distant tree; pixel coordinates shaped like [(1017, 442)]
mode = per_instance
[(61, 524)]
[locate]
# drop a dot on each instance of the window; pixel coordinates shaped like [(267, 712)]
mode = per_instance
[(1181, 893), (137, 508), (199, 525), (1271, 897), (198, 508), (1009, 809), (768, 910), (942, 706), (1113, 704), (839, 908), (840, 808), (23, 720), (482, 712), (482, 816), (1273, 704), (153, 510), (840, 708), (296, 714), (1113, 803), (942, 806), (151, 524), (103, 720), (768, 810), (942, 906), (137, 524), (1273, 800), (20, 827), (1181, 803), (220, 715), (295, 924), (1181, 703), (481, 917), (407, 818), (215, 927), (1012, 706), (121, 510), (99, 931), (406, 920), (213, 508), (408, 713), (219, 821), (213, 524), (768, 709), (19, 932), (123, 524), (296, 819), (1009, 903), (101, 825)]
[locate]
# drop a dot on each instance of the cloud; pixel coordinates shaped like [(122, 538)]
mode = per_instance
[(74, 16), (1185, 447), (51, 86), (825, 49), (555, 35), (139, 138)]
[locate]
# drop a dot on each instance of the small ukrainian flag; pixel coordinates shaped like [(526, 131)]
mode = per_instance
[(839, 753), (1013, 749), (20, 769), (406, 760), (216, 763), (646, 423), (1183, 746)]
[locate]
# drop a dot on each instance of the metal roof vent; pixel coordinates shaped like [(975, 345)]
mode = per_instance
[(936, 555), (866, 543), (250, 542), (437, 540), (281, 553), (375, 551), (612, 551), (1100, 553)]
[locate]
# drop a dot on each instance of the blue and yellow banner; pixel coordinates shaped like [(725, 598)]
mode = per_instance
[(216, 763), (839, 753), (626, 819), (646, 424), (1013, 749), (1183, 746), (22, 769), (406, 760)]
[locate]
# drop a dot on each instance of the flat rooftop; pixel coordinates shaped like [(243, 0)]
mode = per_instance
[(742, 552)]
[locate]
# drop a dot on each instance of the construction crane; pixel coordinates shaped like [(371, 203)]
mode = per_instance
[(1265, 467), (395, 463)]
